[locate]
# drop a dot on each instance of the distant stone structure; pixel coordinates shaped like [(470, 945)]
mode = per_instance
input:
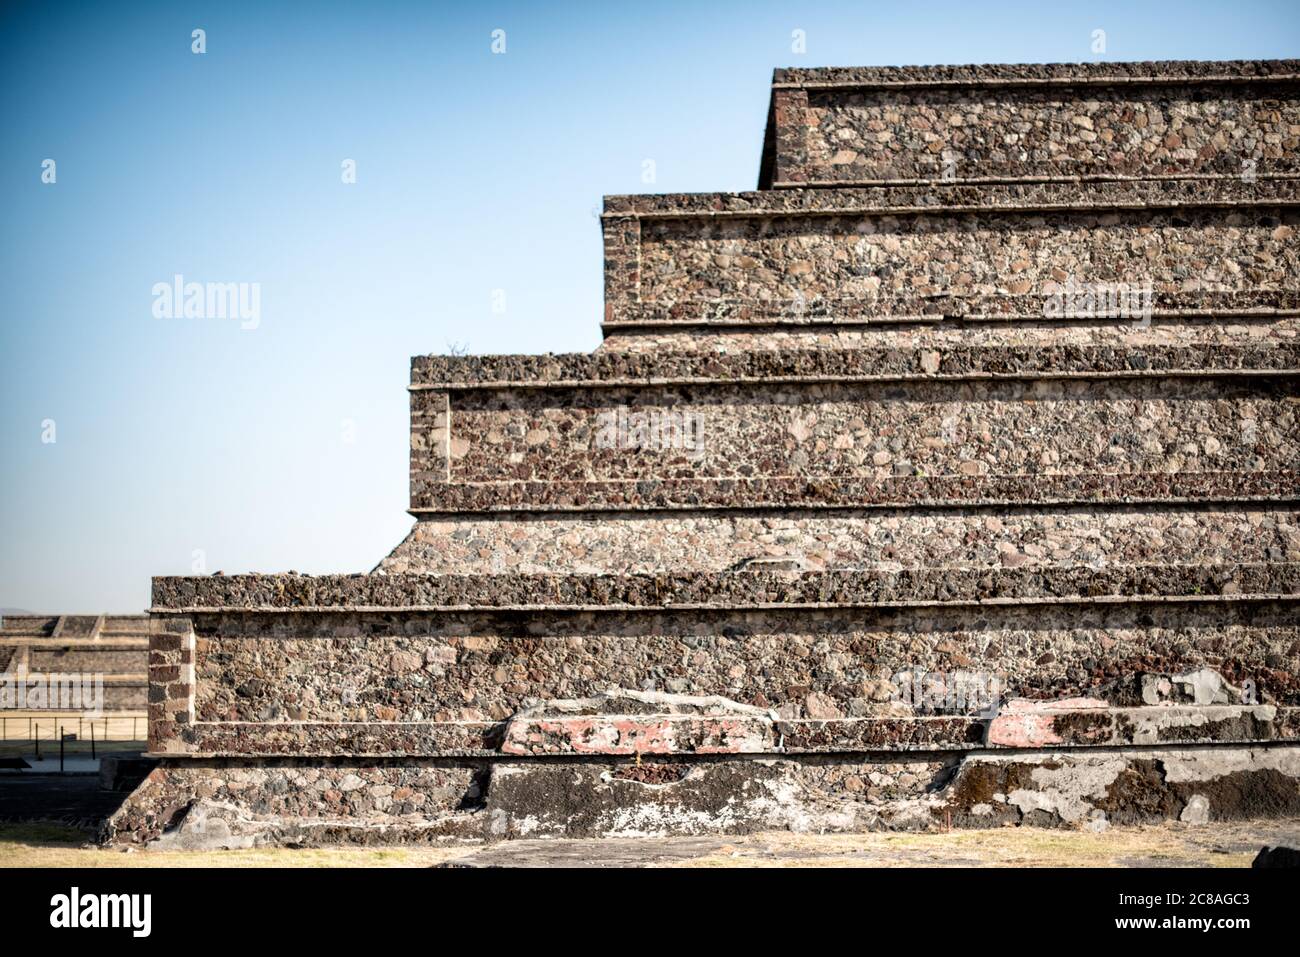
[(950, 478), (114, 647)]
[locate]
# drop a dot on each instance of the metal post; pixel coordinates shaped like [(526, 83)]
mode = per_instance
[(60, 749), (36, 740), (92, 740)]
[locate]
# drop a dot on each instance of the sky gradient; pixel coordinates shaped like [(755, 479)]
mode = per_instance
[(285, 446)]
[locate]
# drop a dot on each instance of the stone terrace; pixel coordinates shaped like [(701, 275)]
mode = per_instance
[(878, 507)]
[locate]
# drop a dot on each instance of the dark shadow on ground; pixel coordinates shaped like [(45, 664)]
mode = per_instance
[(79, 801)]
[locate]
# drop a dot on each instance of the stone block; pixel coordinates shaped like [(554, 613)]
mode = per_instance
[(849, 126)]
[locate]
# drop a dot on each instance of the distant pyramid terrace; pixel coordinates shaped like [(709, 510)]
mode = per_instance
[(113, 648), (948, 479)]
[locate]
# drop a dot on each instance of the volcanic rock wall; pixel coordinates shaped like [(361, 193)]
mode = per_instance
[(838, 127)]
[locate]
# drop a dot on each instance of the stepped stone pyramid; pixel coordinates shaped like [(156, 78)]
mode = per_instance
[(114, 646), (949, 478)]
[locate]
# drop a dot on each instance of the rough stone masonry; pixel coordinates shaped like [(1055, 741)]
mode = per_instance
[(949, 478)]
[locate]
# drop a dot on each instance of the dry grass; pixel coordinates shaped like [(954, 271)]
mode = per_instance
[(1155, 845), (1162, 845), (39, 845)]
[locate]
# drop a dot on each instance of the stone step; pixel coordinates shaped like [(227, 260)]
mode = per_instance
[(856, 126), (180, 806), (660, 735), (791, 664), (819, 438), (1078, 540), (88, 660), (111, 643), (1161, 332), (125, 625), (870, 557), (132, 695), (77, 627), (672, 724), (937, 351), (15, 626), (794, 257)]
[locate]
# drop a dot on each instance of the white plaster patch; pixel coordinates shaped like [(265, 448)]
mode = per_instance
[(1191, 766), (1064, 790), (1197, 810)]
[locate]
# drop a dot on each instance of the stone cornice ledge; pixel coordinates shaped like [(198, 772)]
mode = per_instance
[(940, 197), (731, 589), (614, 369), (816, 492), (1159, 72)]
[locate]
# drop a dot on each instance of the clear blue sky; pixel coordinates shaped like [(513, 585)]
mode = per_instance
[(475, 172)]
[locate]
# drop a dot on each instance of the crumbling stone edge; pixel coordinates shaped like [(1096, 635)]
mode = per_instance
[(231, 804)]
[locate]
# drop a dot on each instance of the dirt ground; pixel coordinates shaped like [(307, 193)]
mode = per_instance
[(1165, 845)]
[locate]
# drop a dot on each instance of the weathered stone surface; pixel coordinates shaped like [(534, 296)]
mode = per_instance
[(692, 355), (219, 804), (1070, 75), (631, 722), (838, 678), (192, 805), (825, 444), (971, 346), (995, 543), (767, 260), (1048, 583), (1125, 787), (726, 798), (1085, 721), (1131, 120)]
